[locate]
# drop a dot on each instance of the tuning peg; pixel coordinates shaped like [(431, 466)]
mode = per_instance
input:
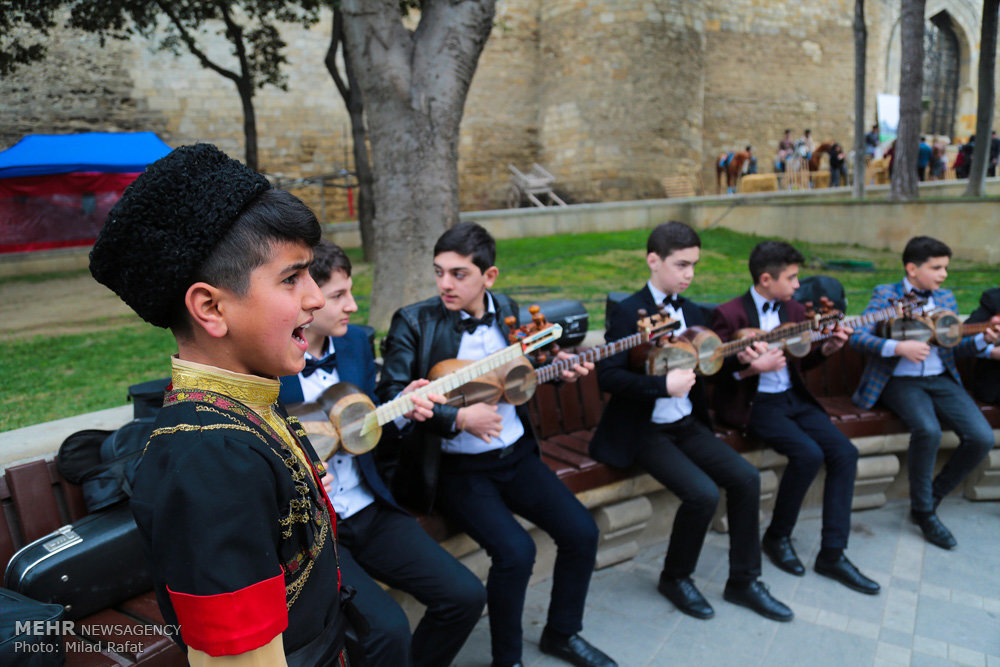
[(510, 321)]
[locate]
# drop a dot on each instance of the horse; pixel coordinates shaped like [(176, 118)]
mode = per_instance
[(733, 165), (818, 154)]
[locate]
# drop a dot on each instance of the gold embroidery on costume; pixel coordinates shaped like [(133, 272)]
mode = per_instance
[(232, 396)]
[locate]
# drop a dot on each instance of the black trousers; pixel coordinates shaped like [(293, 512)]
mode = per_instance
[(482, 493), (800, 430), (690, 461), (382, 543)]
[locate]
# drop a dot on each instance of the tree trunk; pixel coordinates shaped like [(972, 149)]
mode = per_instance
[(351, 94), (987, 97), (245, 89), (911, 81), (414, 85), (860, 54)]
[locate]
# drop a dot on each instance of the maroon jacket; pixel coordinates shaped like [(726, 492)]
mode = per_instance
[(732, 398)]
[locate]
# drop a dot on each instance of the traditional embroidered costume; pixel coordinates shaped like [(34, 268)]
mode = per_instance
[(229, 499)]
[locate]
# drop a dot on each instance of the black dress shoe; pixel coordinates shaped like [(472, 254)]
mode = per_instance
[(847, 573), (755, 596), (782, 554), (934, 531), (682, 592), (574, 649)]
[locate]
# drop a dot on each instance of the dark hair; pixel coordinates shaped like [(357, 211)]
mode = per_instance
[(772, 257), (787, 130), (808, 131), (749, 148), (469, 239), (668, 237), (919, 249), (327, 258), (274, 216)]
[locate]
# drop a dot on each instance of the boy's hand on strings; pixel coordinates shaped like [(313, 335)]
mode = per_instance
[(481, 420), (423, 406)]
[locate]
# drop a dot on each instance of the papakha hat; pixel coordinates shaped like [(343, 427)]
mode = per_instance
[(166, 225)]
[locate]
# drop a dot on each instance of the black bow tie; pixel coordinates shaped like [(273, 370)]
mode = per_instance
[(922, 293), (327, 363), (470, 324), (771, 306), (671, 300)]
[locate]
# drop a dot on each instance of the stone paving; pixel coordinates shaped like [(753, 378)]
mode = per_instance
[(935, 608)]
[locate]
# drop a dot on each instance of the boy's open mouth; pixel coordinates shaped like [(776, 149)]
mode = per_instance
[(299, 334)]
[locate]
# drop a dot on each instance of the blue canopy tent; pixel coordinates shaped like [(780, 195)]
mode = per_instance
[(56, 190)]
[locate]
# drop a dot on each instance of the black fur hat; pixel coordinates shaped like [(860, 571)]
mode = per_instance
[(166, 225)]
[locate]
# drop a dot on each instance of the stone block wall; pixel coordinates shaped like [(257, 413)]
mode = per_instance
[(609, 96)]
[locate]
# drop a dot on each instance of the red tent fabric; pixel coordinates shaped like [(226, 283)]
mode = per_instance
[(58, 189)]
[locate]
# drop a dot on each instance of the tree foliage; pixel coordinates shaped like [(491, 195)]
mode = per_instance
[(257, 51), (24, 27)]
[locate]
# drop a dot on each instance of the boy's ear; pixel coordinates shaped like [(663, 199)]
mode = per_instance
[(490, 276), (653, 261), (765, 279), (202, 302), (910, 268)]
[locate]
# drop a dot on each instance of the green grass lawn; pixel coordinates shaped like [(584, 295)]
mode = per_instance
[(50, 377)]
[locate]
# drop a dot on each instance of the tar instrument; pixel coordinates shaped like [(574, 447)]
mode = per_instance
[(356, 422), (702, 350), (949, 332), (915, 323), (520, 389)]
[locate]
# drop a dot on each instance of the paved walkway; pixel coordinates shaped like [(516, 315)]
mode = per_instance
[(935, 607)]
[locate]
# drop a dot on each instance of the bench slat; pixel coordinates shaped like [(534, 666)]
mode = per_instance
[(570, 407), (34, 499)]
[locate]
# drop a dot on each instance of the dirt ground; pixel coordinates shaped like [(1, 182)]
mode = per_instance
[(65, 305)]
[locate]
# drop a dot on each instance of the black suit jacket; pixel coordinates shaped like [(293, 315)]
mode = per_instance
[(733, 398), (421, 335), (986, 383), (633, 393)]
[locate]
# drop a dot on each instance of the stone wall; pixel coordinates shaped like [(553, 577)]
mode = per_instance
[(609, 96)]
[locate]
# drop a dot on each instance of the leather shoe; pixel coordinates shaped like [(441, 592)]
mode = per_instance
[(682, 592), (757, 597), (934, 531), (847, 573), (782, 554), (574, 649)]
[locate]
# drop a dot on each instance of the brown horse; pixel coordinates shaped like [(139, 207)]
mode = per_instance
[(818, 154), (733, 170)]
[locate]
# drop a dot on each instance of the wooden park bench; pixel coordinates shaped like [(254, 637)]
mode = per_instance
[(35, 500)]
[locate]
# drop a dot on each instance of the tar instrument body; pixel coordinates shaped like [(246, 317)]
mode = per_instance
[(356, 422)]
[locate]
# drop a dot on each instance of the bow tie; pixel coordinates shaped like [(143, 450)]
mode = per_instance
[(771, 306), (671, 300), (327, 363), (470, 324), (922, 293)]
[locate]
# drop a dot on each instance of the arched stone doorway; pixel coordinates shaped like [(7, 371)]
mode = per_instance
[(942, 62), (950, 58)]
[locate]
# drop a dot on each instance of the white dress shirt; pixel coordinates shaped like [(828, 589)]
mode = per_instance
[(777, 381), (346, 487), (482, 342), (670, 409)]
